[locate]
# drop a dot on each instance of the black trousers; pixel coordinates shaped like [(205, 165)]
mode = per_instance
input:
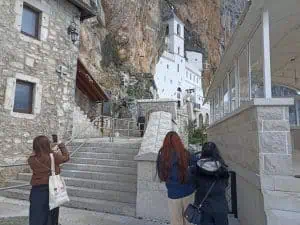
[(39, 213), (214, 218)]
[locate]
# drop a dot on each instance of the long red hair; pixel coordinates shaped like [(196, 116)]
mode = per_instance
[(172, 144)]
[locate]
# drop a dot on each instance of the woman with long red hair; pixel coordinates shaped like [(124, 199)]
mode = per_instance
[(172, 167)]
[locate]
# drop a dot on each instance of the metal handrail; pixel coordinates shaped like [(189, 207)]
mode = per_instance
[(79, 147)]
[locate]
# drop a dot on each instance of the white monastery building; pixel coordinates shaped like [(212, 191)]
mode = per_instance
[(178, 72)]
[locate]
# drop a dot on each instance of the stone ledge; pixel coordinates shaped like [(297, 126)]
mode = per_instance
[(149, 156), (273, 102), (253, 103), (156, 100)]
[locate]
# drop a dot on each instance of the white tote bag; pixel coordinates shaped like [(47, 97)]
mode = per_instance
[(57, 188)]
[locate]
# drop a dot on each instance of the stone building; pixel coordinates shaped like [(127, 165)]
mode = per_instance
[(255, 112), (38, 67), (178, 73)]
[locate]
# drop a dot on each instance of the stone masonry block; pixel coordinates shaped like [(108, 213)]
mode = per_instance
[(146, 170), (29, 62), (287, 201), (276, 125), (273, 142), (277, 164), (283, 217), (44, 34), (268, 182), (287, 184), (270, 113)]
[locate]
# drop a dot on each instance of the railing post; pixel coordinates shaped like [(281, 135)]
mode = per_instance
[(267, 54), (233, 194), (128, 133)]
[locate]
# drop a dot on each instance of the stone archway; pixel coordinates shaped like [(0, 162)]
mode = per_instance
[(201, 120)]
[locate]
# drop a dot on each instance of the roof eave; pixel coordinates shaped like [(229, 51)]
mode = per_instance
[(86, 10), (208, 93)]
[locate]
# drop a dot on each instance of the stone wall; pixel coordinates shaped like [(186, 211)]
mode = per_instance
[(237, 139), (295, 133), (152, 199), (36, 60), (280, 189), (90, 108), (256, 143), (147, 106)]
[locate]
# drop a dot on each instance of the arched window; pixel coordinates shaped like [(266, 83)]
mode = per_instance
[(178, 29), (280, 91), (200, 120), (167, 30)]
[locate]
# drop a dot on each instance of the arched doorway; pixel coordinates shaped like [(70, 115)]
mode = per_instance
[(206, 119), (200, 120)]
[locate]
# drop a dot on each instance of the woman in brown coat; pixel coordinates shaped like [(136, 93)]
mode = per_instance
[(40, 164)]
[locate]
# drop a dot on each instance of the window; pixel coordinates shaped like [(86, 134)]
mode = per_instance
[(23, 97), (167, 66), (171, 81), (178, 50), (165, 78), (190, 76), (226, 96), (167, 30), (178, 29), (30, 22), (244, 77), (187, 74), (279, 91), (177, 67), (232, 90)]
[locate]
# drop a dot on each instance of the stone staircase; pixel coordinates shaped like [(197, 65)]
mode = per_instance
[(82, 125), (101, 176)]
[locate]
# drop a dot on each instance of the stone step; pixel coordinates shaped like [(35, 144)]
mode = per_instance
[(115, 145), (108, 162), (120, 150), (95, 155), (82, 203), (132, 179), (95, 184), (99, 168), (108, 195)]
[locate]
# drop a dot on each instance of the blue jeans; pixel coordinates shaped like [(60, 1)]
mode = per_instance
[(39, 213)]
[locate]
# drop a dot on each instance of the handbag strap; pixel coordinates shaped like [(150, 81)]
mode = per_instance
[(52, 164), (207, 194)]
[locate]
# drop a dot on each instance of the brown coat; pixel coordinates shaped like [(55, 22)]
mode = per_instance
[(40, 165)]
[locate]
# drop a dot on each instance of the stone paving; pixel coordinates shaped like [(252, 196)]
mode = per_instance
[(15, 212), (15, 208)]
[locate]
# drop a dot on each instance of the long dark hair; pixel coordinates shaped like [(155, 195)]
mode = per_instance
[(172, 144), (41, 144), (211, 151)]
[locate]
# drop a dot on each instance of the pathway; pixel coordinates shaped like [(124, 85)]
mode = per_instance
[(18, 208)]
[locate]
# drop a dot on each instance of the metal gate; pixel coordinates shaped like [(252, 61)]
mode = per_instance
[(231, 194)]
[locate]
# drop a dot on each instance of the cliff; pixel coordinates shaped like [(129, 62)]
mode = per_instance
[(123, 44)]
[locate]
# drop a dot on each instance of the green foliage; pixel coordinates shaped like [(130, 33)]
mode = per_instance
[(197, 136)]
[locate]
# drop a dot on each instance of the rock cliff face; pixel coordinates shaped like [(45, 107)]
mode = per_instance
[(123, 44)]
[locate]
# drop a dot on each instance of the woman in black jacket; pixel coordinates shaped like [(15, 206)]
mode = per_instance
[(212, 168)]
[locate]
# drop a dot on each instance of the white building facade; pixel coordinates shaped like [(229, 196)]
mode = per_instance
[(179, 72)]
